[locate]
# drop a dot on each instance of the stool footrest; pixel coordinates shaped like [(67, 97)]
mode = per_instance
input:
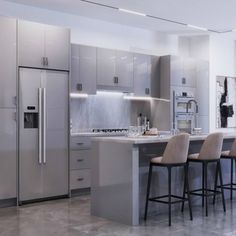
[(158, 199), (212, 192)]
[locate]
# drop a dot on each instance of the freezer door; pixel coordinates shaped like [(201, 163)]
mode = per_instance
[(55, 159), (30, 161)]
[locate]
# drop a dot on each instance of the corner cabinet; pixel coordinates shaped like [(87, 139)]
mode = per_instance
[(146, 75), (43, 46), (8, 152), (114, 70), (83, 69), (7, 63)]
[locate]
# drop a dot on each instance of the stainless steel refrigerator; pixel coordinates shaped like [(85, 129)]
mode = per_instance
[(43, 134)]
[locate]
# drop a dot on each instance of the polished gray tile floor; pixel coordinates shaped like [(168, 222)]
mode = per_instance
[(71, 217)]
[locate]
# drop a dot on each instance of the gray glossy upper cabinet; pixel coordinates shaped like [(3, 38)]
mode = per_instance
[(142, 75), (7, 62), (146, 75), (7, 154), (182, 71), (124, 70), (83, 69), (114, 70), (43, 46)]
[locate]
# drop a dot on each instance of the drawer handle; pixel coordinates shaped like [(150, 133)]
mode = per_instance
[(80, 144), (80, 160), (80, 179)]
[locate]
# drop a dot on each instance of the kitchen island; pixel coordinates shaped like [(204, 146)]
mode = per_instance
[(120, 169)]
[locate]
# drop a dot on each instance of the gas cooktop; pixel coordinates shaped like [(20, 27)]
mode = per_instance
[(110, 131)]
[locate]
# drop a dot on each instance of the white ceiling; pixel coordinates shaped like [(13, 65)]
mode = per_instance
[(217, 15)]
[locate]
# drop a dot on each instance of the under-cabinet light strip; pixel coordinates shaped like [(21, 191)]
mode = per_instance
[(78, 95), (132, 12)]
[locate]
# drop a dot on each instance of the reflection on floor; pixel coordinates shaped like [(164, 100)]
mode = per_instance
[(71, 217)]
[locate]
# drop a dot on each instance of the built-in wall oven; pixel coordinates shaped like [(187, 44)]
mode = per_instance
[(183, 111)]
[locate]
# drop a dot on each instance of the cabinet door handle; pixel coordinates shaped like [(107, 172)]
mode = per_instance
[(80, 160), (80, 179), (147, 91), (116, 80), (43, 61), (79, 87), (46, 61), (79, 144)]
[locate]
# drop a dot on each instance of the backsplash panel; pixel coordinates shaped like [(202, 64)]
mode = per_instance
[(105, 111)]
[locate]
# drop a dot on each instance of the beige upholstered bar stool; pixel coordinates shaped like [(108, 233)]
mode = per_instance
[(210, 152), (230, 155), (175, 155)]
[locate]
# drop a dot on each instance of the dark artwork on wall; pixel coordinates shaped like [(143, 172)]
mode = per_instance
[(226, 95)]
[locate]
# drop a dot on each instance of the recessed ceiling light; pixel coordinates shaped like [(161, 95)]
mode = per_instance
[(197, 27), (132, 12)]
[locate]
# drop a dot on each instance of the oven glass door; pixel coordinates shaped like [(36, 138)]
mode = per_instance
[(181, 104), (185, 122)]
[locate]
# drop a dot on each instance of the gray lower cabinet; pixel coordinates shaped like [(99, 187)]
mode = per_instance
[(7, 62), (83, 69), (8, 166), (80, 154)]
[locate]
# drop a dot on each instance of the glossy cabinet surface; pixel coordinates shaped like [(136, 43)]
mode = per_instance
[(83, 69), (114, 70), (142, 75), (7, 63), (8, 163), (80, 158), (43, 46)]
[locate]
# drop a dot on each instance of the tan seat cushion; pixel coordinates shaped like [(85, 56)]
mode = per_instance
[(193, 156), (156, 160), (225, 153)]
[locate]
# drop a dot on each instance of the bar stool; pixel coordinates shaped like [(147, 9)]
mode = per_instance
[(175, 155), (210, 152), (230, 155)]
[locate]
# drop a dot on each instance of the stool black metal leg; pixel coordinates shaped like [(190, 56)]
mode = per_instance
[(216, 181), (231, 179), (184, 190), (169, 194), (203, 184), (148, 190), (206, 192), (188, 193), (221, 185)]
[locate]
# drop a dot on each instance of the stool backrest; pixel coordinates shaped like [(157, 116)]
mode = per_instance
[(177, 149), (212, 146), (233, 149)]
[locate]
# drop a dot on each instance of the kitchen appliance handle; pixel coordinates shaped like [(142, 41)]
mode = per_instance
[(44, 125), (40, 124)]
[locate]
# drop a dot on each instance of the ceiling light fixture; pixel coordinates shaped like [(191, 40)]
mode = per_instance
[(132, 12), (156, 17), (197, 27)]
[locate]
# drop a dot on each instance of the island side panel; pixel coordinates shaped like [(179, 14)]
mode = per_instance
[(115, 181)]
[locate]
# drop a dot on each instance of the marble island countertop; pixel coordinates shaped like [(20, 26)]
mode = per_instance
[(154, 139)]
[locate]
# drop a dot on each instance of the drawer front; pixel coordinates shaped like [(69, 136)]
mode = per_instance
[(80, 159), (80, 179), (80, 143)]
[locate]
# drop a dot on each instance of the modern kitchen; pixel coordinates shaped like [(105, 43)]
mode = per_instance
[(117, 118)]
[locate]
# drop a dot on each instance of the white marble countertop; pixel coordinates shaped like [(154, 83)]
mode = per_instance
[(154, 139), (93, 134)]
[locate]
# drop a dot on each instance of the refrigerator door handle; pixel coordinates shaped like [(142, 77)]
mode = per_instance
[(40, 124), (44, 125)]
